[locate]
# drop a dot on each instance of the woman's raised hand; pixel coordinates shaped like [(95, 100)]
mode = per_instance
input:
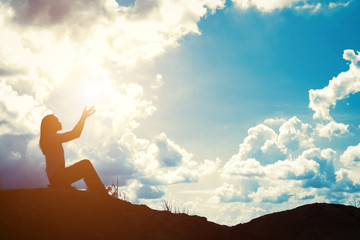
[(88, 112)]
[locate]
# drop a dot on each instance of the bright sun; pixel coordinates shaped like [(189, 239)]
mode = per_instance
[(91, 91), (91, 94)]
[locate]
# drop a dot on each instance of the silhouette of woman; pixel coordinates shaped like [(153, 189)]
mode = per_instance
[(51, 147)]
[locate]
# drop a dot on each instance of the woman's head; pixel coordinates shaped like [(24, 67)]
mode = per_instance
[(49, 125)]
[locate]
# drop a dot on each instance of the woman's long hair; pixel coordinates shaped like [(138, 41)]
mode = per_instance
[(48, 126)]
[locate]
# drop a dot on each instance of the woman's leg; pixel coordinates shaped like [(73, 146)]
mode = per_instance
[(82, 170), (91, 178)]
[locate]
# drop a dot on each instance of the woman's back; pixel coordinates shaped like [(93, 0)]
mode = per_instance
[(54, 153)]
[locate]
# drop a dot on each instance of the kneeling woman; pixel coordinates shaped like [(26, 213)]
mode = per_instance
[(51, 146)]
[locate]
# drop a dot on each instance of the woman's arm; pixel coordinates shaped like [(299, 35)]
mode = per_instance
[(76, 132)]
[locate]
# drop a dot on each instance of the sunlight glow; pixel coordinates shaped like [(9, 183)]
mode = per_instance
[(91, 92)]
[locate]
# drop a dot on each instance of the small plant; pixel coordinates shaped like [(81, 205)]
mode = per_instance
[(354, 203), (113, 191), (122, 196), (167, 206)]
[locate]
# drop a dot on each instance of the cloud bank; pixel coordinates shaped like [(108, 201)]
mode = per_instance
[(280, 162), (57, 57)]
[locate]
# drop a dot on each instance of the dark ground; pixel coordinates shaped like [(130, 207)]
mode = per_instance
[(71, 214)]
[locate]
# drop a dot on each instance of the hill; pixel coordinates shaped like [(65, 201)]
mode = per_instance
[(71, 214)]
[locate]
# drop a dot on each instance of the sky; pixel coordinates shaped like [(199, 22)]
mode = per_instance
[(229, 109)]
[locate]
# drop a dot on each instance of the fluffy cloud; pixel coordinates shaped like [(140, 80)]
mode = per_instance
[(263, 148), (228, 193), (139, 31), (346, 181), (136, 191), (273, 194), (19, 163), (46, 40), (299, 171), (246, 168), (263, 5), (274, 122), (20, 113), (295, 135), (339, 88), (351, 156), (312, 7), (339, 4), (324, 176), (314, 168), (161, 161), (260, 144), (332, 128), (268, 6), (170, 154)]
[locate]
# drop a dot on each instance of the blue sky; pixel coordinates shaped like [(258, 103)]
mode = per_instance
[(247, 66), (225, 108)]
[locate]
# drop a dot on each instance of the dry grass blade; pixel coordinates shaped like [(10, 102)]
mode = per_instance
[(167, 206), (354, 203)]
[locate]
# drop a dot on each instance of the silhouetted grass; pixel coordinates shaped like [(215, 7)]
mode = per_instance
[(113, 191), (169, 207), (354, 203)]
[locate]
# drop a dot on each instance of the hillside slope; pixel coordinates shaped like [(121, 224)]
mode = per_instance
[(313, 221), (71, 214)]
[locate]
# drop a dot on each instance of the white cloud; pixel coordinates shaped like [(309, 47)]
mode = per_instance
[(264, 5), (135, 191), (233, 213), (247, 168), (351, 156), (268, 6), (161, 161), (313, 168), (148, 192), (20, 113), (261, 144), (274, 122), (304, 173), (298, 169), (339, 4), (332, 128), (158, 81), (48, 39), (228, 193), (266, 152), (339, 88), (324, 176), (273, 194), (295, 135), (313, 7), (20, 163), (347, 181)]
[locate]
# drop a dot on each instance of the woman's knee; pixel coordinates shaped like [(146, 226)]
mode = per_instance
[(86, 163)]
